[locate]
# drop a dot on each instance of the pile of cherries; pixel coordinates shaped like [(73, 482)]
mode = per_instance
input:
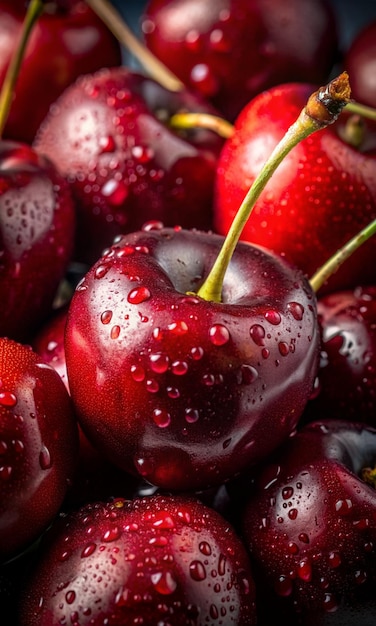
[(178, 449)]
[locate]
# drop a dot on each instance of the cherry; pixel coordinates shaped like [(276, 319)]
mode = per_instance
[(165, 560), (38, 446), (322, 194), (69, 40), (231, 50), (347, 375), (109, 134), (360, 62), (36, 232), (309, 520)]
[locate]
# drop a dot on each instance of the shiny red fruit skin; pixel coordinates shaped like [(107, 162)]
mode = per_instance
[(37, 226), (322, 194), (360, 62), (38, 445), (231, 50), (158, 560), (309, 521), (347, 374), (189, 392), (68, 40), (109, 135)]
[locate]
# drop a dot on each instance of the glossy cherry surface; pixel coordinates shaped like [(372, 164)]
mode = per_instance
[(38, 446), (37, 226), (110, 135), (188, 392), (323, 193), (68, 40), (231, 50), (158, 560)]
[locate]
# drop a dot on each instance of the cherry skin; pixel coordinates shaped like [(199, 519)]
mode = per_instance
[(152, 560), (231, 50), (185, 391), (110, 135), (38, 446), (37, 225), (323, 193), (309, 520), (360, 62), (68, 40), (347, 374)]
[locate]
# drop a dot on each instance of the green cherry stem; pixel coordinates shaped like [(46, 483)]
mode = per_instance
[(117, 25), (323, 108), (186, 121), (334, 263), (361, 109), (34, 10)]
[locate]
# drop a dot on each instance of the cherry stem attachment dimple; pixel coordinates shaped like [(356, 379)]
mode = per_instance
[(186, 121), (322, 109), (120, 29), (334, 263), (34, 10)]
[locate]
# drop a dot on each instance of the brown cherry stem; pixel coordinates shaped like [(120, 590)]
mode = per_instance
[(219, 125), (117, 25), (322, 109), (34, 10), (334, 263)]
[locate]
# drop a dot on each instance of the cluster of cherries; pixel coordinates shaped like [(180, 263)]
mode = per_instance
[(187, 421)]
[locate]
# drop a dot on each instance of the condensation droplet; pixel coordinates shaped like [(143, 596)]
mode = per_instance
[(197, 570), (45, 459), (139, 295), (219, 335)]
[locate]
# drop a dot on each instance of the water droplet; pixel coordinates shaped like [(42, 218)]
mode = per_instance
[(8, 399), (5, 472), (111, 534), (203, 79), (138, 373), (70, 596), (45, 459), (303, 537), (115, 191), (305, 571), (248, 374), (283, 348), (197, 571), (159, 363), (222, 565), (257, 333), (265, 353), (115, 332), (296, 310), (107, 144), (219, 335), (173, 393), (179, 368), (205, 548), (101, 271), (88, 550), (273, 317), (213, 611), (283, 586), (293, 514), (164, 582), (161, 418), (152, 385), (191, 415), (178, 328), (143, 154), (197, 353), (106, 317), (138, 295), (287, 493), (343, 507), (334, 560)]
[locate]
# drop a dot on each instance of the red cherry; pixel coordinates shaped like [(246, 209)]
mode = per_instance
[(347, 375), (68, 40), (109, 135), (188, 392), (38, 446), (37, 223), (309, 522), (231, 50), (360, 62), (322, 194), (158, 560)]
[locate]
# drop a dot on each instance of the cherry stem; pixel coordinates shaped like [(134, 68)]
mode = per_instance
[(361, 109), (185, 121), (34, 10), (117, 25), (334, 263), (323, 108)]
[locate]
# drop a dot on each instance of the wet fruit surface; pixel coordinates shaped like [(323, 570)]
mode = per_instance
[(182, 390), (158, 560)]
